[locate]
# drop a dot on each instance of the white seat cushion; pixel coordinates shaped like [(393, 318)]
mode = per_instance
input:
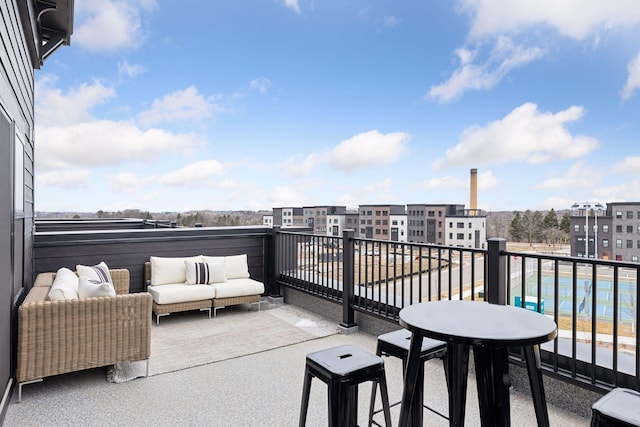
[(179, 292), (165, 271), (238, 288)]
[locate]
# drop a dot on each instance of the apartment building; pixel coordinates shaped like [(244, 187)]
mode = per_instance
[(376, 221), (610, 234), (466, 229), (427, 222), (288, 217), (315, 217)]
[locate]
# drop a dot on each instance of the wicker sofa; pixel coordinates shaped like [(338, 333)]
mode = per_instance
[(57, 337), (172, 294)]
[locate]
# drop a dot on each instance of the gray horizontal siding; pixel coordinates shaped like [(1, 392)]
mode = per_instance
[(130, 249)]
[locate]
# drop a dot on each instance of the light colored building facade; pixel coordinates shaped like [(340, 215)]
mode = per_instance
[(315, 217), (267, 220), (399, 227), (467, 229), (375, 221)]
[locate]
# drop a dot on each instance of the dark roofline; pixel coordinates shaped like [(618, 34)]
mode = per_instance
[(47, 24)]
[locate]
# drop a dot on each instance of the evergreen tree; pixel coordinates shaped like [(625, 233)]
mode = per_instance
[(515, 228)]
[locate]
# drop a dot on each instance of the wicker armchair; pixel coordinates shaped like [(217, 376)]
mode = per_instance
[(57, 337)]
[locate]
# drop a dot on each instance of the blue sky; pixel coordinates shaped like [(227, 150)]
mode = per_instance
[(162, 105)]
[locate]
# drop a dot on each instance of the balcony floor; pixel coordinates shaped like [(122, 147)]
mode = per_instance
[(262, 389)]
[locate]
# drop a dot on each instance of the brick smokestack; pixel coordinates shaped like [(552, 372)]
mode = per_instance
[(473, 189)]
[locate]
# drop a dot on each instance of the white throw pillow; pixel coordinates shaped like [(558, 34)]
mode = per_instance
[(99, 272), (205, 273), (64, 286), (89, 288), (169, 270), (236, 267)]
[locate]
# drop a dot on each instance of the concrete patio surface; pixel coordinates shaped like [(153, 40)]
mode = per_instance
[(262, 389)]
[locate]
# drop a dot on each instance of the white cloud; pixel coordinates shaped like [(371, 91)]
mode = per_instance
[(128, 182), (104, 142), (368, 149), (54, 107), (525, 134), (129, 70), (181, 105), (577, 19), (577, 176), (199, 173), (630, 166), (486, 181), (380, 187), (65, 179), (283, 196), (448, 182), (390, 22), (261, 84), (504, 57), (293, 4), (299, 166), (626, 192), (110, 25), (633, 81)]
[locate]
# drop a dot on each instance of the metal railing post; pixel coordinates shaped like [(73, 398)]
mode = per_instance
[(275, 264), (496, 271), (348, 315)]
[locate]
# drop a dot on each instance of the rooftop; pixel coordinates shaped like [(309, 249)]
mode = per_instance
[(260, 389)]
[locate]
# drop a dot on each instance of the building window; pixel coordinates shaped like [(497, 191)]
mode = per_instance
[(450, 224), (363, 231), (576, 228), (377, 213), (460, 236), (470, 236), (605, 228), (634, 258), (394, 222), (629, 244), (385, 222), (377, 222), (385, 213), (432, 213), (618, 229), (618, 243), (384, 232), (460, 225), (618, 214), (363, 222), (605, 243), (629, 228), (451, 236), (638, 244), (377, 231), (439, 234), (629, 214)]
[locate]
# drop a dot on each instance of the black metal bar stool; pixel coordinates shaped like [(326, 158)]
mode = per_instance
[(396, 344), (342, 368), (617, 408)]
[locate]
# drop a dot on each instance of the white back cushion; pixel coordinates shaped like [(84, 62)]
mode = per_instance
[(236, 267), (169, 270), (99, 272), (91, 288)]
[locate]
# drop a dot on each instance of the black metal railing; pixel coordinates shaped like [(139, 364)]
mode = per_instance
[(593, 302)]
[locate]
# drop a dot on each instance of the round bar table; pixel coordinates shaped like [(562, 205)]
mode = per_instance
[(490, 329)]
